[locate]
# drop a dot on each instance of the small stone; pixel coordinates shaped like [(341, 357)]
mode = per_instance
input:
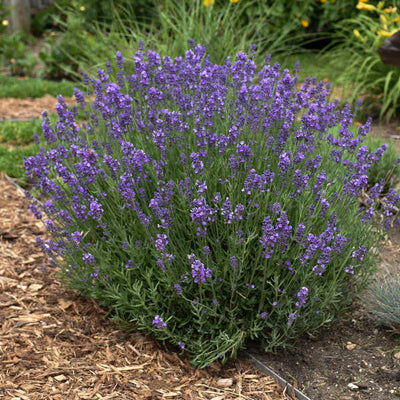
[(225, 382), (346, 398), (350, 346), (353, 387), (362, 385), (397, 356)]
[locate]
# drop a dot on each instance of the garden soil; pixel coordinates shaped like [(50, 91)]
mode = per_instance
[(56, 345)]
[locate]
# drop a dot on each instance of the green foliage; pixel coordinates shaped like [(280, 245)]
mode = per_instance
[(31, 87), (12, 159), (19, 133), (311, 16), (16, 142), (62, 48), (14, 53), (223, 29), (314, 63), (384, 169), (383, 297), (359, 38), (4, 12), (220, 29)]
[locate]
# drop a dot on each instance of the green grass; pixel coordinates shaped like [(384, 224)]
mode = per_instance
[(29, 87), (315, 65), (19, 133), (16, 142), (12, 159)]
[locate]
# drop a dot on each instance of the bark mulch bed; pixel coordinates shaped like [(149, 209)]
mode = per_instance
[(55, 345), (24, 109)]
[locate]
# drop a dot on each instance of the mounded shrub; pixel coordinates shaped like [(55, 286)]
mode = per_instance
[(207, 204)]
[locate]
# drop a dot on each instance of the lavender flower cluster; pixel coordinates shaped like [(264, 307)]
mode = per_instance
[(217, 198)]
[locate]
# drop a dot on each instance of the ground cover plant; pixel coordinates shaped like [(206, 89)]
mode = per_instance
[(23, 87), (208, 204), (16, 143), (382, 298)]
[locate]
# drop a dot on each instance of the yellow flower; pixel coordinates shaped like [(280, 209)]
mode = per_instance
[(305, 23), (363, 6), (390, 10), (234, 1), (208, 3), (82, 8), (323, 1), (363, 1), (397, 19), (4, 22), (357, 34), (381, 32)]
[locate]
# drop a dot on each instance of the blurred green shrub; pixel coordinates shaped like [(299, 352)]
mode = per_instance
[(15, 54), (64, 49), (3, 18)]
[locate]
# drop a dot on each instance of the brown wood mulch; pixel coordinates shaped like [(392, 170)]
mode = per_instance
[(29, 108), (56, 345)]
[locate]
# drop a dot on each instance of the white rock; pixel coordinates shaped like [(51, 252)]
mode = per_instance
[(352, 386)]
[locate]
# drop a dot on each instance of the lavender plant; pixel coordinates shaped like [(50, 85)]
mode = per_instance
[(207, 204)]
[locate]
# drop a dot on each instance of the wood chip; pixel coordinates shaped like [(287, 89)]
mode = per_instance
[(227, 382), (60, 378), (34, 287)]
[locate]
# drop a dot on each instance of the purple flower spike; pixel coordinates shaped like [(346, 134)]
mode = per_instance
[(159, 323), (96, 210), (360, 253), (120, 60), (89, 259), (199, 273), (302, 296)]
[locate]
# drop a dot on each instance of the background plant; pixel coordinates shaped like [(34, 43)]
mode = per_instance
[(366, 75), (11, 86), (15, 54), (385, 170), (4, 12), (279, 28), (205, 208)]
